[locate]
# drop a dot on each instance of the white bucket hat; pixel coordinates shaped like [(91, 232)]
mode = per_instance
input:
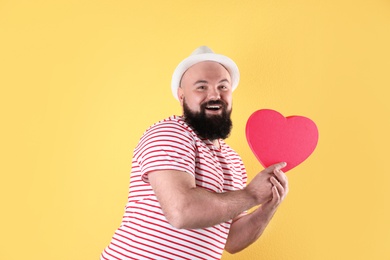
[(204, 53)]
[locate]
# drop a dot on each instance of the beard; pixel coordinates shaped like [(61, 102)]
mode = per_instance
[(211, 127)]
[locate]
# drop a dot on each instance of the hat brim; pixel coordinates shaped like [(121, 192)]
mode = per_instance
[(183, 66)]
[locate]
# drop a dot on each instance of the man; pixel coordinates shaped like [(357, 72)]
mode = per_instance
[(188, 196)]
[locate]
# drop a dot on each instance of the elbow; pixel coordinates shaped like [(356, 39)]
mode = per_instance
[(178, 224), (234, 245), (176, 221), (177, 218), (232, 249)]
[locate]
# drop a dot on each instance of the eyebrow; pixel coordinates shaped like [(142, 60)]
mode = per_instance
[(205, 81)]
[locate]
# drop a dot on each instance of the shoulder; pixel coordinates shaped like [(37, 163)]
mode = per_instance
[(168, 131), (172, 122), (173, 125)]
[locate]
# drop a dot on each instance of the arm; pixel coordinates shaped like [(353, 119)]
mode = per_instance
[(247, 229), (188, 206)]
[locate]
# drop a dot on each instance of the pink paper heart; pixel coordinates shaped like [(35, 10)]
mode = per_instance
[(274, 138)]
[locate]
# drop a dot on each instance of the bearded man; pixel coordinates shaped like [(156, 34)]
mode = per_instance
[(188, 195)]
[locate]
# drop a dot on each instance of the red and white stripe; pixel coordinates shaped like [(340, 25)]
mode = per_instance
[(145, 233)]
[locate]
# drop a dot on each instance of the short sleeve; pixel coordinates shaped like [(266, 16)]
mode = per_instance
[(167, 145)]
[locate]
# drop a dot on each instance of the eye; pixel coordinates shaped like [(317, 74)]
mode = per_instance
[(201, 87)]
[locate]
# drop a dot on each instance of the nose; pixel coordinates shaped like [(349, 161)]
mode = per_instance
[(214, 94)]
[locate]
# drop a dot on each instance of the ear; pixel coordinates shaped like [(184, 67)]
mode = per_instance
[(180, 95)]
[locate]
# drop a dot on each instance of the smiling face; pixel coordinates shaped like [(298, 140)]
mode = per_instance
[(206, 96), (206, 82)]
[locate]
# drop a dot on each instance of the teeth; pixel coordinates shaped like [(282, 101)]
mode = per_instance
[(214, 107)]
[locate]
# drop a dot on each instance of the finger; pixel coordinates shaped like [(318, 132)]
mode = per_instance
[(274, 167), (282, 178), (275, 195), (278, 186), (283, 191)]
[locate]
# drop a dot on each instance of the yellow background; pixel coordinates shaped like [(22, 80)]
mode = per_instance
[(81, 80)]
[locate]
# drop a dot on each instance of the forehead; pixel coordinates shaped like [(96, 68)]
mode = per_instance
[(207, 69)]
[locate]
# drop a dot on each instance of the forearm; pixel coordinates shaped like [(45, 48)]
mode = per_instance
[(247, 229), (199, 208)]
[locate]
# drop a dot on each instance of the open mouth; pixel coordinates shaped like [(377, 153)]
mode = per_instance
[(213, 107)]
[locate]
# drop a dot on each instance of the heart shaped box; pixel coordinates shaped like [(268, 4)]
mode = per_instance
[(274, 138)]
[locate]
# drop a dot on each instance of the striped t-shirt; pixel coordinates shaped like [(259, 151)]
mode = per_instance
[(145, 233)]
